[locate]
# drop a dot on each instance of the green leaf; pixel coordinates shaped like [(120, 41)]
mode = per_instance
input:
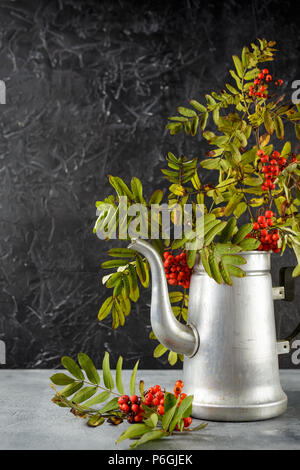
[(72, 367), (140, 269), (224, 272), (210, 164), (187, 112), (232, 204), (135, 430), (268, 122), (105, 308), (226, 248), (204, 259), (107, 377), (152, 420), (70, 389), (159, 351), (113, 280), (236, 154), (114, 263), (61, 379), (172, 358), (156, 197), (183, 411), (119, 185), (240, 209), (203, 121), (214, 268), (279, 127), (121, 252), (198, 428), (213, 232), (235, 271), (84, 394), (191, 257), (102, 397), (249, 244), (89, 368), (185, 407), (296, 271), (110, 406), (175, 297), (174, 127), (238, 65), (198, 106), (170, 407), (228, 230), (149, 436), (233, 259), (137, 190), (95, 420), (141, 388), (132, 379), (119, 383), (241, 233)]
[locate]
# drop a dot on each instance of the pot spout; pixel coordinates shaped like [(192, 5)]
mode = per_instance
[(170, 332)]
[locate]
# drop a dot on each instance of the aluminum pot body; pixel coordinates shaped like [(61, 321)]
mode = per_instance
[(234, 375)]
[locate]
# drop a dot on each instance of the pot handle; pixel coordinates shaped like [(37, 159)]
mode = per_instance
[(286, 292)]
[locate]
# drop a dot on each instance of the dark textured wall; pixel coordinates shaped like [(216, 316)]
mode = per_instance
[(89, 87)]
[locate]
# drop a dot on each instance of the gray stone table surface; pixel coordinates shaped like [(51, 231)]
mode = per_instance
[(29, 420)]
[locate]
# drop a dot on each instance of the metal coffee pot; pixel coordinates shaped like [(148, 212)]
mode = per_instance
[(231, 364)]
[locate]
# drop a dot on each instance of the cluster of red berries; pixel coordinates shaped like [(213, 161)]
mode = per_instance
[(271, 167), (178, 392), (154, 397), (268, 238), (177, 270), (131, 406), (259, 88)]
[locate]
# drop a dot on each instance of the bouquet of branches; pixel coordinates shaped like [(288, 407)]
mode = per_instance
[(257, 181)]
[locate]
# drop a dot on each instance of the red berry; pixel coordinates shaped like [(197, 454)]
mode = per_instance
[(149, 396), (124, 408), (160, 409), (282, 161), (255, 226), (269, 214), (177, 389), (134, 398), (179, 383), (268, 78), (187, 422), (261, 219), (123, 399), (269, 222), (138, 418), (135, 408), (261, 76)]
